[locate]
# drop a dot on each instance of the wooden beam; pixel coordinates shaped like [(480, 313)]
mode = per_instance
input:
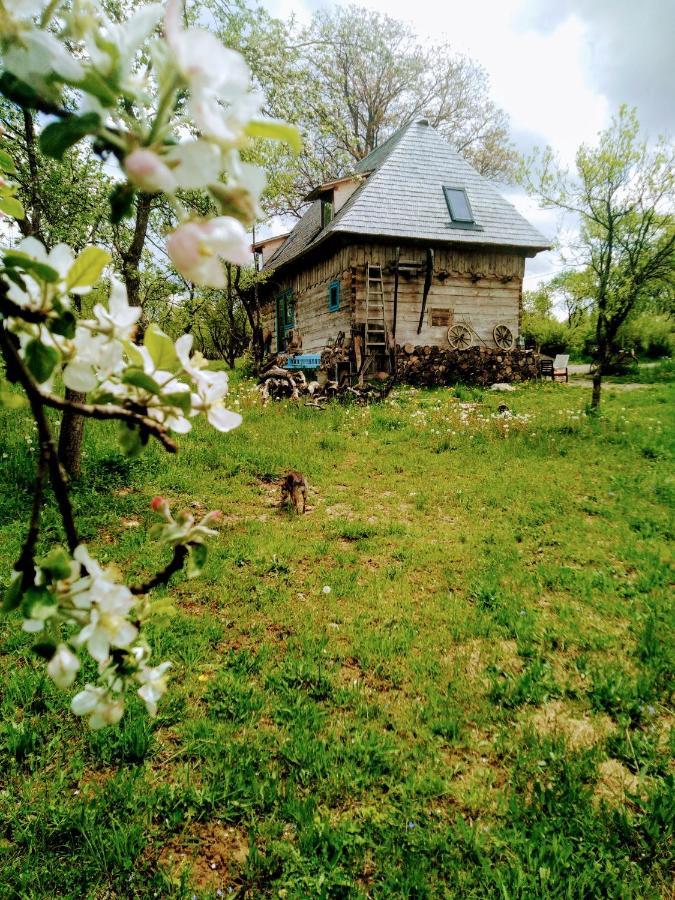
[(393, 324), (427, 285)]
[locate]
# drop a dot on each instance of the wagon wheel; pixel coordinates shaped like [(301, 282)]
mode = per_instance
[(503, 337), (459, 337)]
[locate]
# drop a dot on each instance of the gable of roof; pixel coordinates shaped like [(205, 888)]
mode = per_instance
[(403, 198)]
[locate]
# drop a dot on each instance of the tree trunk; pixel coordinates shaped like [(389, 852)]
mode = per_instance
[(597, 386), (71, 435), (131, 257)]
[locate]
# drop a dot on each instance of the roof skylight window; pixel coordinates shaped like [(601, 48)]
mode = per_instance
[(458, 205)]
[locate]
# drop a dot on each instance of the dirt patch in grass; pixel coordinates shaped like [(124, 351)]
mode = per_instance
[(615, 782), (472, 657), (212, 852), (555, 718), (479, 786)]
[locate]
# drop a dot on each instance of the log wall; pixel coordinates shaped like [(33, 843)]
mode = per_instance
[(483, 287), (317, 325)]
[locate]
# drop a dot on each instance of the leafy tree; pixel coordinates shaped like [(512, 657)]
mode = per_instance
[(373, 76), (621, 190), (75, 64), (349, 81)]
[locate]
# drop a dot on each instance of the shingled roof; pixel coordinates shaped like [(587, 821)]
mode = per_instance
[(402, 197)]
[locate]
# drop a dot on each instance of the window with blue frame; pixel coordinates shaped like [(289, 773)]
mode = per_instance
[(334, 296)]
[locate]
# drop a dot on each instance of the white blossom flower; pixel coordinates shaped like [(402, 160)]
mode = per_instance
[(197, 248), (63, 666), (211, 389), (224, 125), (202, 60), (153, 681), (96, 358), (40, 53), (23, 9), (119, 320), (108, 625), (146, 170), (98, 704), (189, 165)]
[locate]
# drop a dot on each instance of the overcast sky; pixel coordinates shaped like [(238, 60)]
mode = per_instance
[(559, 68)]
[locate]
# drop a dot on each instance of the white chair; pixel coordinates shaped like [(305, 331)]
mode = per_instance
[(560, 367)]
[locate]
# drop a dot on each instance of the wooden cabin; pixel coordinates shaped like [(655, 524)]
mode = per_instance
[(415, 248)]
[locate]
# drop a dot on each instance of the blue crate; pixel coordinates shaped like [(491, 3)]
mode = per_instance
[(303, 361)]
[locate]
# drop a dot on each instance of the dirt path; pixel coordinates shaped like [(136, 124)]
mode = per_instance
[(606, 385)]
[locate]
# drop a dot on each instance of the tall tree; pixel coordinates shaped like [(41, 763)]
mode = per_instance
[(372, 75), (621, 190), (349, 81)]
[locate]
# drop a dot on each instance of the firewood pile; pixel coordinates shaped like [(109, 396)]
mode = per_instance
[(477, 365), (280, 384)]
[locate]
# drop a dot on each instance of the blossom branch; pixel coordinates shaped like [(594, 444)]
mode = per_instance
[(56, 473), (112, 411), (25, 563), (180, 555)]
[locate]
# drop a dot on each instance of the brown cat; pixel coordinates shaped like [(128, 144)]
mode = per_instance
[(294, 491)]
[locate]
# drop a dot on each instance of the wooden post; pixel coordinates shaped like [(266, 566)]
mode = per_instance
[(427, 285)]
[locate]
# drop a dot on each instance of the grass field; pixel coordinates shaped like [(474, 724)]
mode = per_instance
[(451, 678)]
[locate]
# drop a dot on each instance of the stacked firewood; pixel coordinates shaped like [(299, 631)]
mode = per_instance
[(476, 365), (279, 384)]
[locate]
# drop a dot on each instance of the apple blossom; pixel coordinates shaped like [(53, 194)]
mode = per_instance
[(202, 60), (108, 625), (119, 320), (98, 705), (198, 248), (211, 389), (149, 93), (153, 685), (146, 170), (63, 666)]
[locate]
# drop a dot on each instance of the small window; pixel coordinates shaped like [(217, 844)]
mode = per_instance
[(326, 209), (334, 296), (458, 205)]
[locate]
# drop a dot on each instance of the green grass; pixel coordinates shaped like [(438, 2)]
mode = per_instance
[(481, 705)]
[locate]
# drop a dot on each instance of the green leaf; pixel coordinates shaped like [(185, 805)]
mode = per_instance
[(130, 440), (41, 360), (160, 347), (16, 278), (121, 202), (60, 136), (11, 207), (95, 84), (38, 603), (45, 649), (14, 593), (19, 92), (87, 268), (196, 560), (18, 260), (12, 401), (180, 399), (56, 564), (139, 379), (276, 130), (7, 163), (65, 325)]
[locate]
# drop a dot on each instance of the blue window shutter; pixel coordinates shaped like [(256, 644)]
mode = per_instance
[(334, 296)]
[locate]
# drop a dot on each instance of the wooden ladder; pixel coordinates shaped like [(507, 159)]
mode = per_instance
[(376, 329)]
